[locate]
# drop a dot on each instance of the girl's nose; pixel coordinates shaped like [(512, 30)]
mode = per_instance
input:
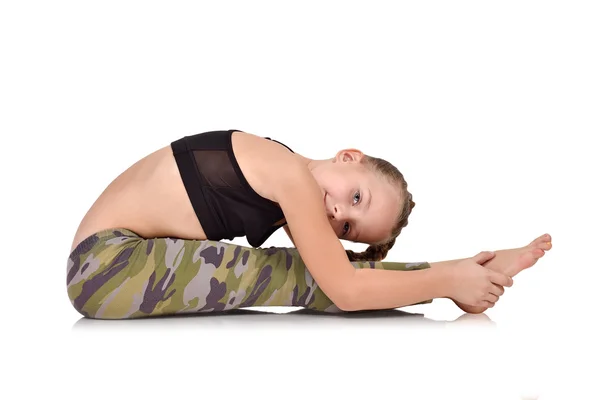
[(337, 212)]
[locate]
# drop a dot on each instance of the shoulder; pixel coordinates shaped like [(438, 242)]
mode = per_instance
[(268, 166), (249, 144)]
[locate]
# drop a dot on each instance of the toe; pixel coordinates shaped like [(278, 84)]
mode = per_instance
[(537, 253), (540, 245), (546, 238)]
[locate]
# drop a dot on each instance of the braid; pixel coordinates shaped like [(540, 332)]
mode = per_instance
[(375, 252)]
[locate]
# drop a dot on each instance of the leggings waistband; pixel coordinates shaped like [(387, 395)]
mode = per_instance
[(89, 241)]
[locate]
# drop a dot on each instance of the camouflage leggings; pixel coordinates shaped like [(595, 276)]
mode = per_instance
[(116, 274)]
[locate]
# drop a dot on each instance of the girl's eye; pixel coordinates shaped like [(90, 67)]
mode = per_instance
[(346, 228), (356, 197)]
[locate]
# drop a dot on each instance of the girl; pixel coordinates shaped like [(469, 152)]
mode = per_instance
[(151, 243)]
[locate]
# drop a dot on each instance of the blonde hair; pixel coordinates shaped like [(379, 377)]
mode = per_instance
[(378, 251)]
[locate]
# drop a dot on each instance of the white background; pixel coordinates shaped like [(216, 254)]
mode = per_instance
[(493, 109)]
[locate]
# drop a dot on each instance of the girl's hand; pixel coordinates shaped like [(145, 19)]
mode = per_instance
[(475, 285)]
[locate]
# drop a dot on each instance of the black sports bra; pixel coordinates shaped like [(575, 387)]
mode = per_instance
[(223, 200)]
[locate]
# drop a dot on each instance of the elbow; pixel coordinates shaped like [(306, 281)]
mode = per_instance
[(348, 300), (347, 306)]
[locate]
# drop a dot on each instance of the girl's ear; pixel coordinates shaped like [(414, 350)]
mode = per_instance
[(349, 155)]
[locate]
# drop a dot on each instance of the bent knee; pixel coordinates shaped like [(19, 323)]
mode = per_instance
[(97, 270)]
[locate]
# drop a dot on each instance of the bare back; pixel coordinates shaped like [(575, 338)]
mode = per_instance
[(150, 199)]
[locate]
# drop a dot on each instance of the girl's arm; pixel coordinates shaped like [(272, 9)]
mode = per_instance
[(301, 200)]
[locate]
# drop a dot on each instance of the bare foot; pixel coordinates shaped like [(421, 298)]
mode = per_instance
[(512, 261)]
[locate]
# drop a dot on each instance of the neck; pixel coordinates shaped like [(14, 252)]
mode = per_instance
[(312, 164)]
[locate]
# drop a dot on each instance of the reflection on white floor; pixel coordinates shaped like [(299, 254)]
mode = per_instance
[(367, 355), (297, 320)]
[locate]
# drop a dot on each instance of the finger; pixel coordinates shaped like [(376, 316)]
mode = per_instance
[(484, 256), (485, 303), (492, 298), (500, 279), (496, 289)]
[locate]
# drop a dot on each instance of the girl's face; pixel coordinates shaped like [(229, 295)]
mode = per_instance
[(361, 205)]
